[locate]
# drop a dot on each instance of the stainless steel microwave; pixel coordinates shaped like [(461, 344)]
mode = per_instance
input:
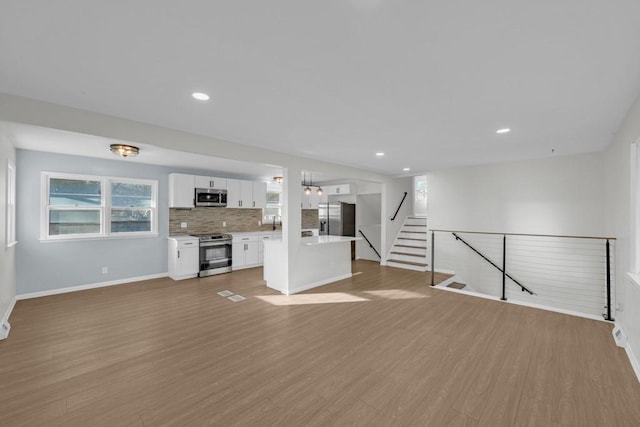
[(210, 197)]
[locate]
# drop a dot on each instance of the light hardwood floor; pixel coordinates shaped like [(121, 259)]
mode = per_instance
[(379, 349)]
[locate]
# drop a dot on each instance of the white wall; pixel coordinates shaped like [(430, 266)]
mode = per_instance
[(562, 195), (392, 193), (7, 255), (559, 195), (617, 206), (368, 219)]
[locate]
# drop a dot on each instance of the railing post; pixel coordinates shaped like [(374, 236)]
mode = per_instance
[(432, 257), (504, 267), (608, 281)]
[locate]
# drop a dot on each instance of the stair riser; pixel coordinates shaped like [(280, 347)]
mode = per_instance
[(407, 266), (418, 221), (410, 250), (413, 235), (422, 259)]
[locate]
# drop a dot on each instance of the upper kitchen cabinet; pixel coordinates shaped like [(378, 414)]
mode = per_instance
[(211, 182), (181, 190), (246, 194), (259, 194), (336, 190)]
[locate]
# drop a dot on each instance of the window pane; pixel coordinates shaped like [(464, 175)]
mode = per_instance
[(130, 220), (131, 195), (273, 197), (74, 222), (74, 192)]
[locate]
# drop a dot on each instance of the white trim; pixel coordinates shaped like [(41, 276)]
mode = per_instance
[(635, 279), (524, 304), (5, 319), (440, 270), (319, 283), (632, 358), (104, 209), (89, 286)]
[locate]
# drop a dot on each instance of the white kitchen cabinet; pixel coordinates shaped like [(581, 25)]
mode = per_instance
[(183, 257), (181, 190), (211, 182), (244, 250), (259, 194), (264, 237), (336, 190), (246, 194)]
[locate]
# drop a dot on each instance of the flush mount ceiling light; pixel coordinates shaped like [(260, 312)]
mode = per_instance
[(380, 154), (503, 130), (406, 169), (278, 179), (200, 96), (124, 150)]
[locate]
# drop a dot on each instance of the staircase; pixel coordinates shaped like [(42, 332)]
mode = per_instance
[(409, 250)]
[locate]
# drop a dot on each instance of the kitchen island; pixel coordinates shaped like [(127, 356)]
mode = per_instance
[(318, 261)]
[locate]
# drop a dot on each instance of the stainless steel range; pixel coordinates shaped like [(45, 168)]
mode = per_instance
[(215, 253)]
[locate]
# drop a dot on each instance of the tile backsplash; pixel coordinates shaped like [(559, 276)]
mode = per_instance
[(210, 220)]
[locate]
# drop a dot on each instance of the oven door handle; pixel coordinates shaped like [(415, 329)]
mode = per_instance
[(217, 243)]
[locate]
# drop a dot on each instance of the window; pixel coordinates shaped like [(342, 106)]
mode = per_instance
[(274, 203), (11, 204), (77, 206)]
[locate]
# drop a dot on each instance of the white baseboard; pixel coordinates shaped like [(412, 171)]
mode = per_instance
[(89, 286), (5, 326), (632, 358), (440, 270), (319, 283)]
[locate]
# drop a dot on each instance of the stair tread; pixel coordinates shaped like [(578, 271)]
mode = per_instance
[(412, 238), (398, 261), (414, 232), (409, 254), (410, 246), (415, 225)]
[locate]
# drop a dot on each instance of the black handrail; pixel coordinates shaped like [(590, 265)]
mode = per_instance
[(370, 245), (398, 210), (523, 288)]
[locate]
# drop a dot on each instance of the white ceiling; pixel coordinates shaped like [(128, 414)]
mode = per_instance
[(427, 82)]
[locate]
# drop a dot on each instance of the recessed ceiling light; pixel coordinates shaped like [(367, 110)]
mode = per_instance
[(406, 169), (200, 96), (504, 130), (380, 154)]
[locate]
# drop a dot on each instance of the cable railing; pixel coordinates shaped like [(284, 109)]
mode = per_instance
[(567, 273)]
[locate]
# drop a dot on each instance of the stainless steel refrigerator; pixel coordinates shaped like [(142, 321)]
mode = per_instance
[(337, 219)]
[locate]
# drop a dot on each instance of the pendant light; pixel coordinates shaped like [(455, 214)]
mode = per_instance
[(319, 191), (307, 190)]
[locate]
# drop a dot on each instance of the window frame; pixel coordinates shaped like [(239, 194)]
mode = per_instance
[(104, 208), (273, 188), (11, 204)]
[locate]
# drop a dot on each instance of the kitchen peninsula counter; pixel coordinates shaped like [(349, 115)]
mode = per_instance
[(319, 260)]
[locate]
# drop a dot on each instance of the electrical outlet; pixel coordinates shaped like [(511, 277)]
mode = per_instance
[(259, 223), (224, 223), (105, 270), (183, 225)]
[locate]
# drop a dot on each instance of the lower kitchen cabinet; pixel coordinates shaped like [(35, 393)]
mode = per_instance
[(184, 253), (245, 251)]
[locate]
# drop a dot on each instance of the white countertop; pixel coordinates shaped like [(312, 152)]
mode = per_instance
[(324, 240), (319, 240), (254, 233), (182, 237)]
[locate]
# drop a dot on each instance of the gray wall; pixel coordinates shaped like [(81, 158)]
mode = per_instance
[(7, 255), (54, 265)]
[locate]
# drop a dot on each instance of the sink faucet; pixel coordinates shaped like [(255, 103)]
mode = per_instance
[(274, 222)]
